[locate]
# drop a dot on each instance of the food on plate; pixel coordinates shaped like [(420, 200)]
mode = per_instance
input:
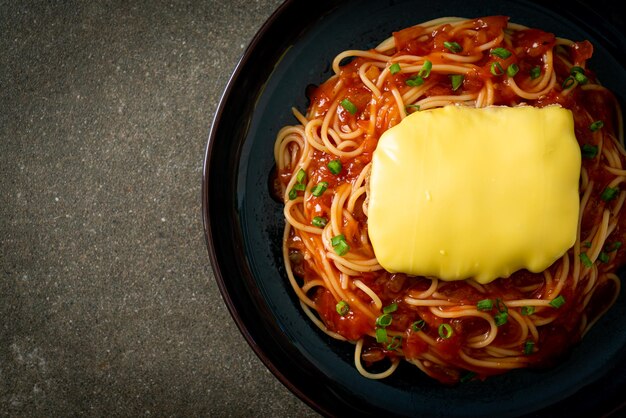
[(453, 198)]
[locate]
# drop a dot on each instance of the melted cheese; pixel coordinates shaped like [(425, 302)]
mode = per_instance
[(459, 192)]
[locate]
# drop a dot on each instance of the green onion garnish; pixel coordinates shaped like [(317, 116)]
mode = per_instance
[(609, 193), (390, 308), (568, 83), (301, 176), (415, 81), (342, 308), (467, 377), (485, 305), (299, 187), (381, 335), (613, 247), (457, 81), (501, 318), (496, 68), (512, 70), (395, 343), (411, 106), (587, 244), (596, 125), (535, 72), (425, 71), (319, 222), (453, 46), (394, 68), (500, 52), (293, 193), (585, 260), (557, 302), (581, 78), (603, 257), (418, 325), (528, 310), (349, 106), (384, 320), (579, 74), (528, 347), (339, 244), (589, 151), (445, 331), (319, 189), (501, 306), (335, 167)]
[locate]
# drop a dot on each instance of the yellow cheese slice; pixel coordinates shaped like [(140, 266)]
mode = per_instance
[(459, 192)]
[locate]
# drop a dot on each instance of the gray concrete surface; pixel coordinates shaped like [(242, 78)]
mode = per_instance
[(108, 305)]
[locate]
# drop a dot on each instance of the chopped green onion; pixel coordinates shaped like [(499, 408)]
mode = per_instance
[(426, 67), (589, 151), (496, 68), (349, 106), (581, 78), (596, 125), (501, 306), (445, 331), (394, 68), (512, 70), (293, 193), (390, 308), (412, 106), (457, 81), (528, 310), (587, 244), (501, 318), (500, 52), (339, 244), (485, 305), (395, 343), (603, 257), (528, 347), (568, 83), (342, 308), (535, 72), (319, 222), (585, 260), (557, 302), (301, 176), (453, 46), (613, 247), (609, 193), (467, 377), (335, 167), (299, 187), (381, 335), (579, 74), (418, 325), (319, 189), (415, 81), (384, 320)]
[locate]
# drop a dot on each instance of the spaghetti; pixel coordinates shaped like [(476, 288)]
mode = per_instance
[(452, 331)]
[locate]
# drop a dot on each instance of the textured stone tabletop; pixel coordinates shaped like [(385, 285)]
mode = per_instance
[(108, 305)]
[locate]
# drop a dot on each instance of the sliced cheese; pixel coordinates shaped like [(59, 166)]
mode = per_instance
[(459, 192)]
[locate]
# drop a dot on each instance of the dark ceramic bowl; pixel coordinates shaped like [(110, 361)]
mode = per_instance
[(243, 225)]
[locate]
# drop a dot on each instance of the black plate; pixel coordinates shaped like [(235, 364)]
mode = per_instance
[(243, 225)]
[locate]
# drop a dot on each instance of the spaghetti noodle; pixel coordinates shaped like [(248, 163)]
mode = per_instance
[(451, 331)]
